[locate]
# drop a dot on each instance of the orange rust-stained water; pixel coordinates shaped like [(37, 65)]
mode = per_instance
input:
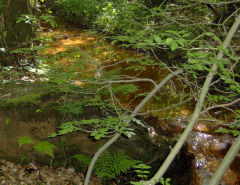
[(86, 52)]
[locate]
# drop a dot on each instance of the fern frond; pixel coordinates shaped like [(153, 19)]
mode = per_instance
[(111, 165), (122, 162), (84, 159), (104, 166)]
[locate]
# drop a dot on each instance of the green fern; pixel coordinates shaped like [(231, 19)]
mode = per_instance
[(122, 162), (71, 108), (104, 166), (45, 147), (25, 140), (84, 159), (109, 165)]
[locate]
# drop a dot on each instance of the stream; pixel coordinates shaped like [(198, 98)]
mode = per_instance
[(197, 160)]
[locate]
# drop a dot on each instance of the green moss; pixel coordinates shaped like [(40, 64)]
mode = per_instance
[(29, 98)]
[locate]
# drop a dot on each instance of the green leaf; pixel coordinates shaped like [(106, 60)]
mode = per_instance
[(45, 147), (222, 130), (53, 135), (139, 122), (180, 42), (128, 133), (169, 40), (24, 140), (7, 121), (157, 39), (199, 67), (186, 34), (38, 110), (98, 134), (84, 159), (164, 182), (173, 45), (142, 176)]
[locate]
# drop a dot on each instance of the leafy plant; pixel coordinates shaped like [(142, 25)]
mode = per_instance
[(109, 165), (7, 121), (32, 19), (101, 127), (84, 10), (164, 181), (71, 108), (43, 146), (84, 159), (142, 170), (27, 18), (25, 140), (48, 18), (233, 129)]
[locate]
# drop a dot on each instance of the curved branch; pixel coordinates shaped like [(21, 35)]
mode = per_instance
[(121, 81), (130, 81), (136, 110)]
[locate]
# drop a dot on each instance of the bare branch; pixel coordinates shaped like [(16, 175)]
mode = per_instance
[(220, 106)]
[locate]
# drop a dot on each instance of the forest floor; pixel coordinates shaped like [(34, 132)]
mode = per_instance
[(15, 174)]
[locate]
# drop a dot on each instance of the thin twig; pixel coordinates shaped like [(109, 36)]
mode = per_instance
[(220, 106)]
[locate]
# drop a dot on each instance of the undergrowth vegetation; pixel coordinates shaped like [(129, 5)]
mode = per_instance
[(110, 165), (177, 34)]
